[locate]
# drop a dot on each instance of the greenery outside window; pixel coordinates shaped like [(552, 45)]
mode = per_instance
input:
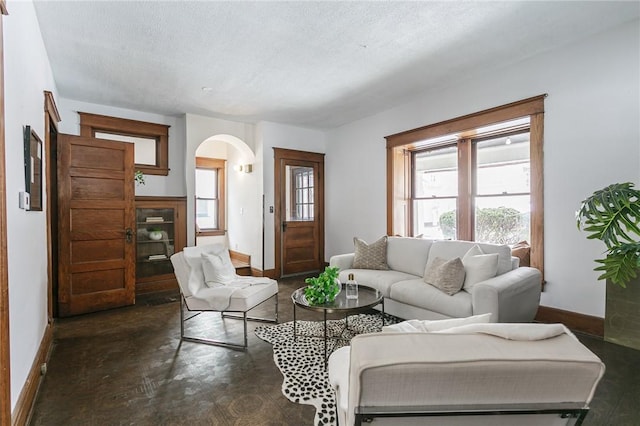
[(210, 196)]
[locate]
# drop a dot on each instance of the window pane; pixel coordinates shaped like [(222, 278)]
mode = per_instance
[(144, 148), (435, 218), (206, 183), (207, 214), (302, 188), (503, 165), (436, 173), (503, 219)]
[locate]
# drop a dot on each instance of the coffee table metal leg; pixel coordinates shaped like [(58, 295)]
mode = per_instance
[(294, 323), (382, 313), (325, 338)]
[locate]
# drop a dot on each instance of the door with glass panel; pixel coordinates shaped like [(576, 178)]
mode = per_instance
[(300, 215)]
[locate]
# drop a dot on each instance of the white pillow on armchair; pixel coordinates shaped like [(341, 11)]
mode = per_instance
[(218, 269)]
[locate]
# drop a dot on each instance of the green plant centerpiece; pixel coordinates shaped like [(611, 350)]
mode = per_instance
[(612, 215), (324, 288)]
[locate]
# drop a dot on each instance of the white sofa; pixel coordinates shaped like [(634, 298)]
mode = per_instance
[(532, 374), (513, 295)]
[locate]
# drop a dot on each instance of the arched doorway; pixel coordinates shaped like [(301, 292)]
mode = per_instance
[(227, 185)]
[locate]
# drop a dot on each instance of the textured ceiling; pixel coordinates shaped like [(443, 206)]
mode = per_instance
[(315, 64)]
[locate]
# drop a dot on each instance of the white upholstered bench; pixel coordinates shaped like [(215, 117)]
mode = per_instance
[(466, 377)]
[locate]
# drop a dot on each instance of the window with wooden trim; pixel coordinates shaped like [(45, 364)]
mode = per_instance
[(498, 187), (478, 177), (210, 196), (151, 140)]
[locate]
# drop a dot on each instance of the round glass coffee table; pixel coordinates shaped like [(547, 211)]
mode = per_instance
[(368, 297)]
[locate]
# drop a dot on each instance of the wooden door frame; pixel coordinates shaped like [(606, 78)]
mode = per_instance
[(51, 120), (291, 154), (5, 370)]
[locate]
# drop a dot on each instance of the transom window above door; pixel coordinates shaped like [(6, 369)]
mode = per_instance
[(151, 140)]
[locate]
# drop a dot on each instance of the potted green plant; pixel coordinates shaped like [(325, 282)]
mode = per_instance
[(612, 215), (324, 288), (138, 177)]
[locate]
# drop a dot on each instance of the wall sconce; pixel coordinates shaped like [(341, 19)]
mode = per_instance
[(246, 168)]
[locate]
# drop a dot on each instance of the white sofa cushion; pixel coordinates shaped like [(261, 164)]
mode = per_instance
[(380, 280), (418, 293), (448, 249), (478, 266), (239, 296), (408, 254)]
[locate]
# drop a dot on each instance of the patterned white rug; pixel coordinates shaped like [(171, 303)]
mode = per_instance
[(301, 361)]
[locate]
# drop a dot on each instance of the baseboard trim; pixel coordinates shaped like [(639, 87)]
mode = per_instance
[(22, 411), (244, 258), (577, 322), (270, 273)]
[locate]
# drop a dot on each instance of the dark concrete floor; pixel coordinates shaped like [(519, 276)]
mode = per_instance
[(127, 367)]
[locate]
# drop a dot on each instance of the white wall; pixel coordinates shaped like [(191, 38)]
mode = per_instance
[(171, 185), (592, 139), (273, 135), (244, 209), (27, 75)]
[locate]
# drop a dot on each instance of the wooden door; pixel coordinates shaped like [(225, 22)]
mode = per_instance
[(300, 198), (96, 224)]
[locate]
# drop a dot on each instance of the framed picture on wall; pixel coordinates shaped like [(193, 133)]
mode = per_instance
[(33, 167)]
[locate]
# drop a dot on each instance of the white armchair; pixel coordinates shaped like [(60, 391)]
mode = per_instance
[(478, 374), (208, 283)]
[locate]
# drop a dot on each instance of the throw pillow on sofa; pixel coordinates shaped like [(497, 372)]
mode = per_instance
[(478, 266), (447, 275), (370, 256), (522, 251)]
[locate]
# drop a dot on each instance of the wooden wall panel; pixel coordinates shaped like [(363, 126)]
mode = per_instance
[(89, 282)]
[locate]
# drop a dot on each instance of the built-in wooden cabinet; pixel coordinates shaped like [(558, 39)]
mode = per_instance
[(161, 231)]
